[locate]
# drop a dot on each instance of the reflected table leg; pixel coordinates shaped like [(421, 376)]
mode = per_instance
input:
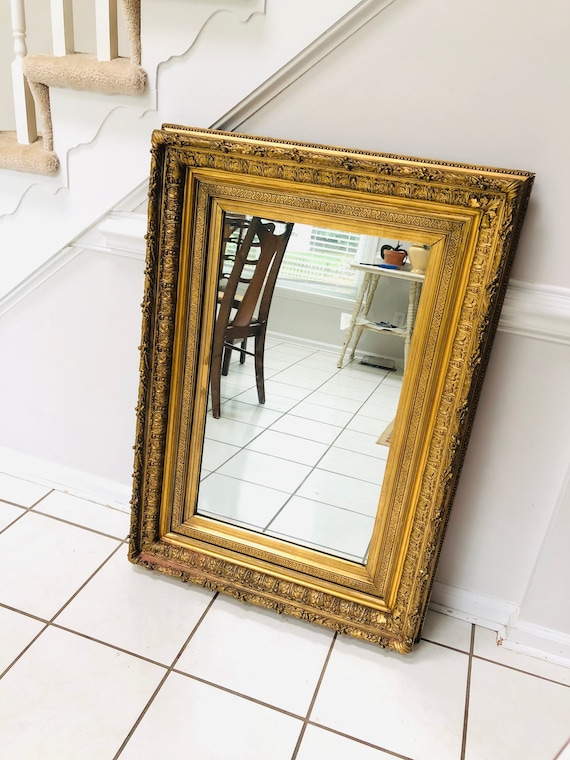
[(413, 300), (357, 307), (372, 285)]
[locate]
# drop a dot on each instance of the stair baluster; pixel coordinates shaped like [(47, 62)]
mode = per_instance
[(62, 27), (26, 129)]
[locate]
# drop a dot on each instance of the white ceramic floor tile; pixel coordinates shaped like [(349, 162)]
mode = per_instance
[(319, 743), (273, 658), (86, 513), (19, 491), (290, 447), (215, 453), (358, 390), (321, 360), (485, 646), (394, 378), (443, 629), (369, 425), (379, 409), (363, 443), (272, 401), (189, 719), (277, 362), (303, 377), (334, 402), (322, 413), (314, 431), (364, 371), (312, 523), (412, 704), (341, 491), (265, 470), (9, 513), (515, 715), (286, 390), (238, 502), (291, 351), (238, 381), (44, 561), (68, 697), (252, 414), (230, 431), (354, 465), (129, 607), (16, 632)]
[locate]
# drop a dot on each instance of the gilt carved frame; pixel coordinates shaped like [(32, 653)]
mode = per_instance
[(470, 216)]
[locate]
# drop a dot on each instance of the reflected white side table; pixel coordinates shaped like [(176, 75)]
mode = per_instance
[(359, 321)]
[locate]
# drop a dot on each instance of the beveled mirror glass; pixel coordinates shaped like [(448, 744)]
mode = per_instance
[(273, 469)]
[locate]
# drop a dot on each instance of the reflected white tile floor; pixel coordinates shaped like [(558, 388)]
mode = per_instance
[(315, 439), (101, 659)]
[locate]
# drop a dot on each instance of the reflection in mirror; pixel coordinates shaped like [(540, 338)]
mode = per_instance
[(297, 436)]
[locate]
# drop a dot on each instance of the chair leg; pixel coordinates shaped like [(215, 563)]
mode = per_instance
[(226, 361), (259, 375), (216, 373), (243, 348)]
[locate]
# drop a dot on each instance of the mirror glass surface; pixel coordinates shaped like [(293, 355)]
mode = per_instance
[(307, 465)]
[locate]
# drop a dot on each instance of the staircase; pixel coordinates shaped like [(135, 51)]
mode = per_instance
[(83, 120)]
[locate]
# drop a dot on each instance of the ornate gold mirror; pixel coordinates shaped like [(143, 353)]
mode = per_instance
[(277, 470)]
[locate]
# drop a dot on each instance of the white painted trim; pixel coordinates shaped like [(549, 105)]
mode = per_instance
[(334, 36), (124, 233), (503, 617), (537, 311), (65, 479), (38, 277), (536, 641), (486, 611)]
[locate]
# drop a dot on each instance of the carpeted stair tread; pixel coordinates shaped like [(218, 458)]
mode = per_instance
[(33, 158), (81, 71)]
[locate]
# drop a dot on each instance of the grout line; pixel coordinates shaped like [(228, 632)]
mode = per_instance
[(15, 520), (49, 622), (169, 670), (559, 753), (239, 694), (314, 698), (360, 741), (467, 694), (24, 650), (93, 574), (78, 525), (525, 672)]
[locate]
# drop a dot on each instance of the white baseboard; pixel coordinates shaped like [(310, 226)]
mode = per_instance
[(486, 611), (502, 616), (66, 479), (536, 641)]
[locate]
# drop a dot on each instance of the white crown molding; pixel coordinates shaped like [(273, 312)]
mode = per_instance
[(537, 311)]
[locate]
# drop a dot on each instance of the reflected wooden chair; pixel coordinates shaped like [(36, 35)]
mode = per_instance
[(237, 319)]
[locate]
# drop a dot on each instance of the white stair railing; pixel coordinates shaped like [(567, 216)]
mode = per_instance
[(25, 112), (63, 42), (106, 28)]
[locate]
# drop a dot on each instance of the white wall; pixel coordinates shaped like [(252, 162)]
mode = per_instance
[(70, 368), (447, 79), (482, 83)]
